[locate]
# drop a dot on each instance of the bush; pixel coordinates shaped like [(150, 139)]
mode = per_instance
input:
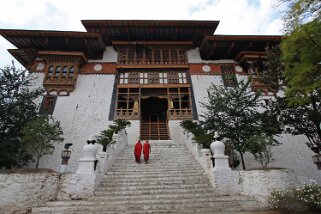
[(106, 136), (296, 200)]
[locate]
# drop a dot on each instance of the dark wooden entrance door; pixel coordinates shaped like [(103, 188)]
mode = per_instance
[(154, 124)]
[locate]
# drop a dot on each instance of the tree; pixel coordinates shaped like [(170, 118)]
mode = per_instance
[(301, 56), (273, 73), (17, 108), (260, 147), (40, 136), (299, 12), (233, 112), (302, 120), (200, 134), (106, 136)]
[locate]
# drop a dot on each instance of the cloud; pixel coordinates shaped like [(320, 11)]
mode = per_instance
[(235, 16)]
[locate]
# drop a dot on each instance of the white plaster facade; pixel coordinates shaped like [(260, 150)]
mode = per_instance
[(82, 114), (85, 112)]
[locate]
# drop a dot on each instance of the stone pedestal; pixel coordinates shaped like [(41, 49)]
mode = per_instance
[(221, 163), (87, 162), (225, 180)]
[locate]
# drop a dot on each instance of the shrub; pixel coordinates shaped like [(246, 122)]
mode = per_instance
[(296, 200), (106, 136)]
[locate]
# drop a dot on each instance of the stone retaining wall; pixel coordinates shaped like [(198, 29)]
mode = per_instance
[(21, 191), (260, 183)]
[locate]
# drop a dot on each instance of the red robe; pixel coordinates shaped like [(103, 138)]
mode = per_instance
[(146, 150), (138, 151)]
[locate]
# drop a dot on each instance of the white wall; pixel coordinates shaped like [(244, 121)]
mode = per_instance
[(82, 114), (133, 132), (201, 83), (176, 131), (110, 55)]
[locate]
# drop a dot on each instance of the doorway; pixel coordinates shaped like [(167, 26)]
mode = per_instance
[(154, 125)]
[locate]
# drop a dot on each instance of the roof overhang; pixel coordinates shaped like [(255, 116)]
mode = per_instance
[(229, 46), (31, 41), (151, 30)]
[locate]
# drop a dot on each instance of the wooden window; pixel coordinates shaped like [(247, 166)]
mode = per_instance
[(48, 104), (57, 72), (228, 76), (153, 78), (151, 55), (64, 72), (174, 56), (71, 72), (50, 72), (133, 78)]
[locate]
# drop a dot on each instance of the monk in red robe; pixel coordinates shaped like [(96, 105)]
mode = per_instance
[(146, 151), (138, 151)]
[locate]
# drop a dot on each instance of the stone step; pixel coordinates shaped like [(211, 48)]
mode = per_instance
[(140, 187), (155, 191), (125, 206), (153, 161), (141, 170), (156, 173), (172, 182), (155, 178), (198, 211), (206, 196), (151, 175), (160, 184)]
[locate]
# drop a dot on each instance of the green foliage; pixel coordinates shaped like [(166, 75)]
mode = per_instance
[(299, 12), (232, 112), (260, 147), (273, 73), (301, 57), (120, 124), (40, 135), (200, 133), (307, 197), (300, 110), (304, 119), (17, 108), (233, 159), (106, 136)]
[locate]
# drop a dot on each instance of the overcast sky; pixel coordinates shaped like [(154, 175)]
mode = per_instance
[(243, 17)]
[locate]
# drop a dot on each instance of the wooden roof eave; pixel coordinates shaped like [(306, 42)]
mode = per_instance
[(271, 38), (39, 39), (16, 53), (44, 33), (250, 55), (64, 53)]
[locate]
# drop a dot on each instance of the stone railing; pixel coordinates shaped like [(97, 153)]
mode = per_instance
[(91, 170), (255, 183)]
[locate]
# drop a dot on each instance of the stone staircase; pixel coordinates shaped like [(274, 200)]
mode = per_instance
[(172, 182)]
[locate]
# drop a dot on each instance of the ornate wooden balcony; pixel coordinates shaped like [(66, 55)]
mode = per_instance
[(180, 114), (129, 114), (152, 57), (257, 84)]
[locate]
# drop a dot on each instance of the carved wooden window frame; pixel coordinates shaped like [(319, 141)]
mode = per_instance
[(48, 104), (228, 76), (145, 78)]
